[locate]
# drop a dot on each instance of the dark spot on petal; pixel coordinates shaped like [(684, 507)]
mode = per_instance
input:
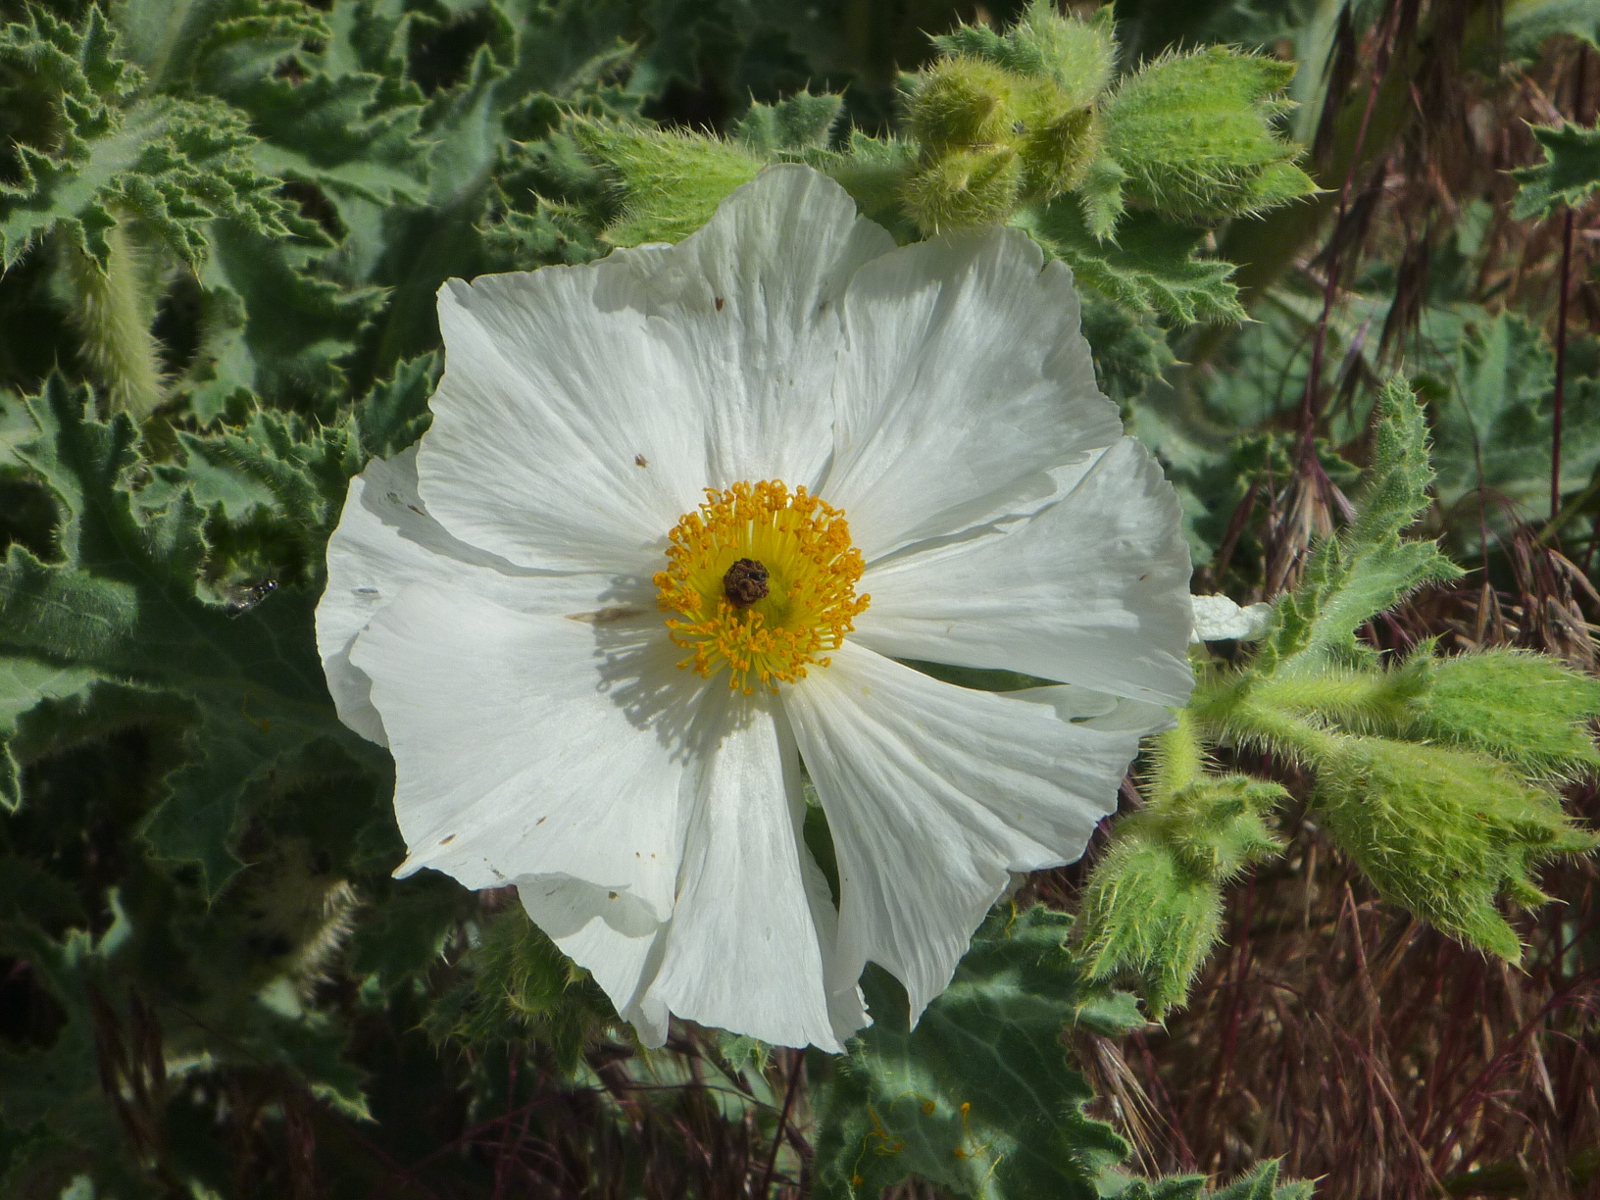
[(448, 840), (640, 460), (720, 303)]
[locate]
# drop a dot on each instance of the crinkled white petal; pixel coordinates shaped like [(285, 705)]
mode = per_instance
[(743, 951), (1217, 617), (1095, 710), (935, 794), (562, 435), (531, 745), (1093, 590), (749, 308), (753, 924), (964, 380), (386, 539), (618, 942)]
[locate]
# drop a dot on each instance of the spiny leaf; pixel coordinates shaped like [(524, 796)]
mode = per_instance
[(1569, 173), (1528, 24), (799, 123), (24, 684), (125, 600), (1260, 1184), (977, 1099), (1369, 567), (1151, 268), (171, 164)]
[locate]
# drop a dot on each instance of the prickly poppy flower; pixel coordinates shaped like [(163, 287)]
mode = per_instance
[(685, 524)]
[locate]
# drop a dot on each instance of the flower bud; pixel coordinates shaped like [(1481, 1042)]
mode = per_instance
[(963, 187), (962, 102)]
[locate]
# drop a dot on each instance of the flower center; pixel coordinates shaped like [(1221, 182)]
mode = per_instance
[(762, 582)]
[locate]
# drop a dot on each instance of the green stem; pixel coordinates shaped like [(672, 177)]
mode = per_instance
[(1179, 758), (113, 309)]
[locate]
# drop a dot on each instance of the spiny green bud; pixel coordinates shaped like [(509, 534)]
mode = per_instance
[(668, 182), (962, 102), (1078, 56), (1444, 832), (1153, 905), (1194, 133), (1525, 709), (1147, 915), (1057, 142), (1075, 56), (962, 188)]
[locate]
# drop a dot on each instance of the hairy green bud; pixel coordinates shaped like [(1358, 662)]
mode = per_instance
[(963, 103), (1057, 144), (1194, 134), (1153, 904), (1525, 709), (1074, 55), (518, 984), (963, 187), (667, 182), (1444, 832)]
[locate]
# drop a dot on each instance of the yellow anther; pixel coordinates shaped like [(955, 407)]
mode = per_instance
[(809, 602)]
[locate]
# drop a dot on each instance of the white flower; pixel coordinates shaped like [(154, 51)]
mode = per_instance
[(1217, 618), (953, 489)]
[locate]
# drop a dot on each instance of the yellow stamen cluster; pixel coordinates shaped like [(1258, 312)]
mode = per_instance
[(812, 571)]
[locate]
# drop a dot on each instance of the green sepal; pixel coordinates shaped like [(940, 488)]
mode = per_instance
[(963, 188), (978, 1098), (1194, 132), (1569, 173), (874, 171)]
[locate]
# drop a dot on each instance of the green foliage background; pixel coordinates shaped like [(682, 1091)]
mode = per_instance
[(222, 225)]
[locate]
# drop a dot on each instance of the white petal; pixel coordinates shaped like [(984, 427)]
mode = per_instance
[(1094, 590), (1217, 617), (965, 379), (562, 435), (386, 539), (531, 745), (934, 795), (750, 305), (614, 938), (743, 952), (1095, 710)]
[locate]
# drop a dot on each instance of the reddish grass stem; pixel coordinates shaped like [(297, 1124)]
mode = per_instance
[(1558, 405)]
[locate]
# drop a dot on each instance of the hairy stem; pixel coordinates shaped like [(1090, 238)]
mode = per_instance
[(113, 309)]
